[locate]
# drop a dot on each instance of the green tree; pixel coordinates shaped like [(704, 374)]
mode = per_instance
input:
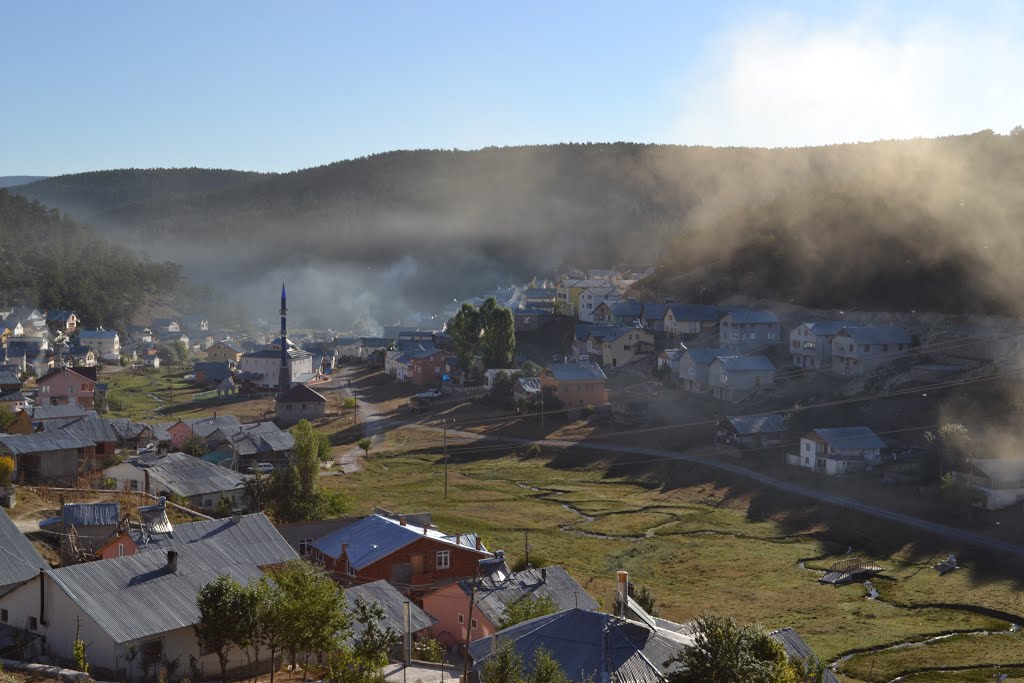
[(312, 615), (194, 447), (545, 669), (530, 369), (949, 448), (499, 339), (365, 444), (430, 650), (465, 331), (251, 628), (726, 652), (6, 418), (297, 493), (504, 666), (959, 497), (526, 608), (371, 647), (219, 605)]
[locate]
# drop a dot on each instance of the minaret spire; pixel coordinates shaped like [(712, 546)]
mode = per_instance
[(284, 381)]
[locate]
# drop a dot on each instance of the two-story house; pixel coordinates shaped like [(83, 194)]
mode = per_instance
[(839, 451), (694, 365), (858, 350), (625, 346), (223, 351), (734, 378), (61, 386), (1000, 481), (576, 385), (62, 322), (745, 331), (686, 321), (810, 343), (425, 367), (588, 340), (106, 343), (595, 295), (396, 550)]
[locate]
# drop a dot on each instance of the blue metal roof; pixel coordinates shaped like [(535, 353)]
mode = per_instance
[(761, 317), (758, 424), (694, 312), (494, 595), (850, 438)]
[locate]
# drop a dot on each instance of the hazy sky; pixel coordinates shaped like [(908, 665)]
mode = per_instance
[(277, 86)]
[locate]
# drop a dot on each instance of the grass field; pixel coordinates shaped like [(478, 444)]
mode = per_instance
[(700, 545)]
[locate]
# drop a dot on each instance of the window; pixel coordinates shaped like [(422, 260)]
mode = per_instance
[(32, 624), (462, 619), (692, 372), (303, 406), (134, 484), (443, 559), (866, 348), (71, 389), (305, 546), (120, 549), (725, 378), (85, 387), (472, 624), (3, 616)]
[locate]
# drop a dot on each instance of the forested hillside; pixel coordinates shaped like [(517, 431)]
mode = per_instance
[(928, 224), (49, 260)]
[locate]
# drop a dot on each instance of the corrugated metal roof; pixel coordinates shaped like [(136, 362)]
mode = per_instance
[(38, 413), (93, 428), (393, 602), (850, 438), (583, 642), (375, 537), (746, 363), (627, 308), (796, 647), (137, 596), (91, 514), (19, 560), (9, 377), (706, 356), (126, 429), (251, 536), (760, 317), (43, 442), (694, 312), (188, 476), (576, 372), (301, 393), (493, 596), (758, 424)]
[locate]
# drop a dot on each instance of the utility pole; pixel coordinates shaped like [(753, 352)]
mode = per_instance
[(444, 431), (469, 625)]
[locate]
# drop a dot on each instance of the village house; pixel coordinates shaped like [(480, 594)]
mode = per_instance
[(625, 346), (134, 612), (78, 357), (223, 351), (595, 295), (531, 318), (568, 290), (745, 331), (83, 528), (378, 547), (653, 317), (668, 361), (859, 350), (424, 367), (11, 396), (263, 368), (576, 385), (694, 365), (687, 321), (106, 343), (838, 451), (1000, 481), (751, 431), (50, 458), (300, 403), (162, 326), (195, 323), (448, 605), (588, 340), (734, 378), (62, 386), (179, 474), (602, 314), (91, 427), (392, 602), (21, 562), (810, 343), (131, 434), (62, 322), (176, 434), (627, 312), (212, 373)]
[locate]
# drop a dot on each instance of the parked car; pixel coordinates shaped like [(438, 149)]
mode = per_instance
[(262, 468)]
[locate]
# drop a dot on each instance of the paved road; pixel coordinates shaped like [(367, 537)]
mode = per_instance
[(952, 533)]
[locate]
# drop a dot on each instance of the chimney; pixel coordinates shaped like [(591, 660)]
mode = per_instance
[(172, 561), (424, 529), (478, 544), (344, 549), (543, 574), (621, 592), (235, 519), (401, 520)]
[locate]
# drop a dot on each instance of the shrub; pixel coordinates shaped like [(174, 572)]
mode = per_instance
[(6, 470)]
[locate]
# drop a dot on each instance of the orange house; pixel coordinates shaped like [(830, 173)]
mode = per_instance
[(575, 384), (415, 558)]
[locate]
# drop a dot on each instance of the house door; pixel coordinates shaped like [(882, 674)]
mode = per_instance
[(417, 564)]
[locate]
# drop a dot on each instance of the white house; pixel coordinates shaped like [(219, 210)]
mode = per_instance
[(685, 321), (263, 368), (810, 343), (858, 350), (179, 474), (733, 378), (839, 451), (595, 295), (1000, 480), (103, 342)]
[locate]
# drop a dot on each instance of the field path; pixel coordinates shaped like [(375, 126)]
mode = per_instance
[(952, 533)]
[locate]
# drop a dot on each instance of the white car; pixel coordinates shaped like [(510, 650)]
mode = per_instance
[(263, 468)]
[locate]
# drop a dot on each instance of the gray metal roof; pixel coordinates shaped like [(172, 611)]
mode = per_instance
[(187, 476), (38, 413), (580, 372), (251, 536), (375, 537), (796, 647), (746, 363), (300, 393), (388, 597), (760, 317), (91, 427), (137, 596), (126, 429), (494, 596), (850, 438), (877, 335), (584, 642), (43, 442), (202, 426), (9, 377), (19, 560), (758, 424)]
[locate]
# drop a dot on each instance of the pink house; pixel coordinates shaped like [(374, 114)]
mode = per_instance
[(62, 386)]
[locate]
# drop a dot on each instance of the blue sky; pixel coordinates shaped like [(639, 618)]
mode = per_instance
[(278, 86)]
